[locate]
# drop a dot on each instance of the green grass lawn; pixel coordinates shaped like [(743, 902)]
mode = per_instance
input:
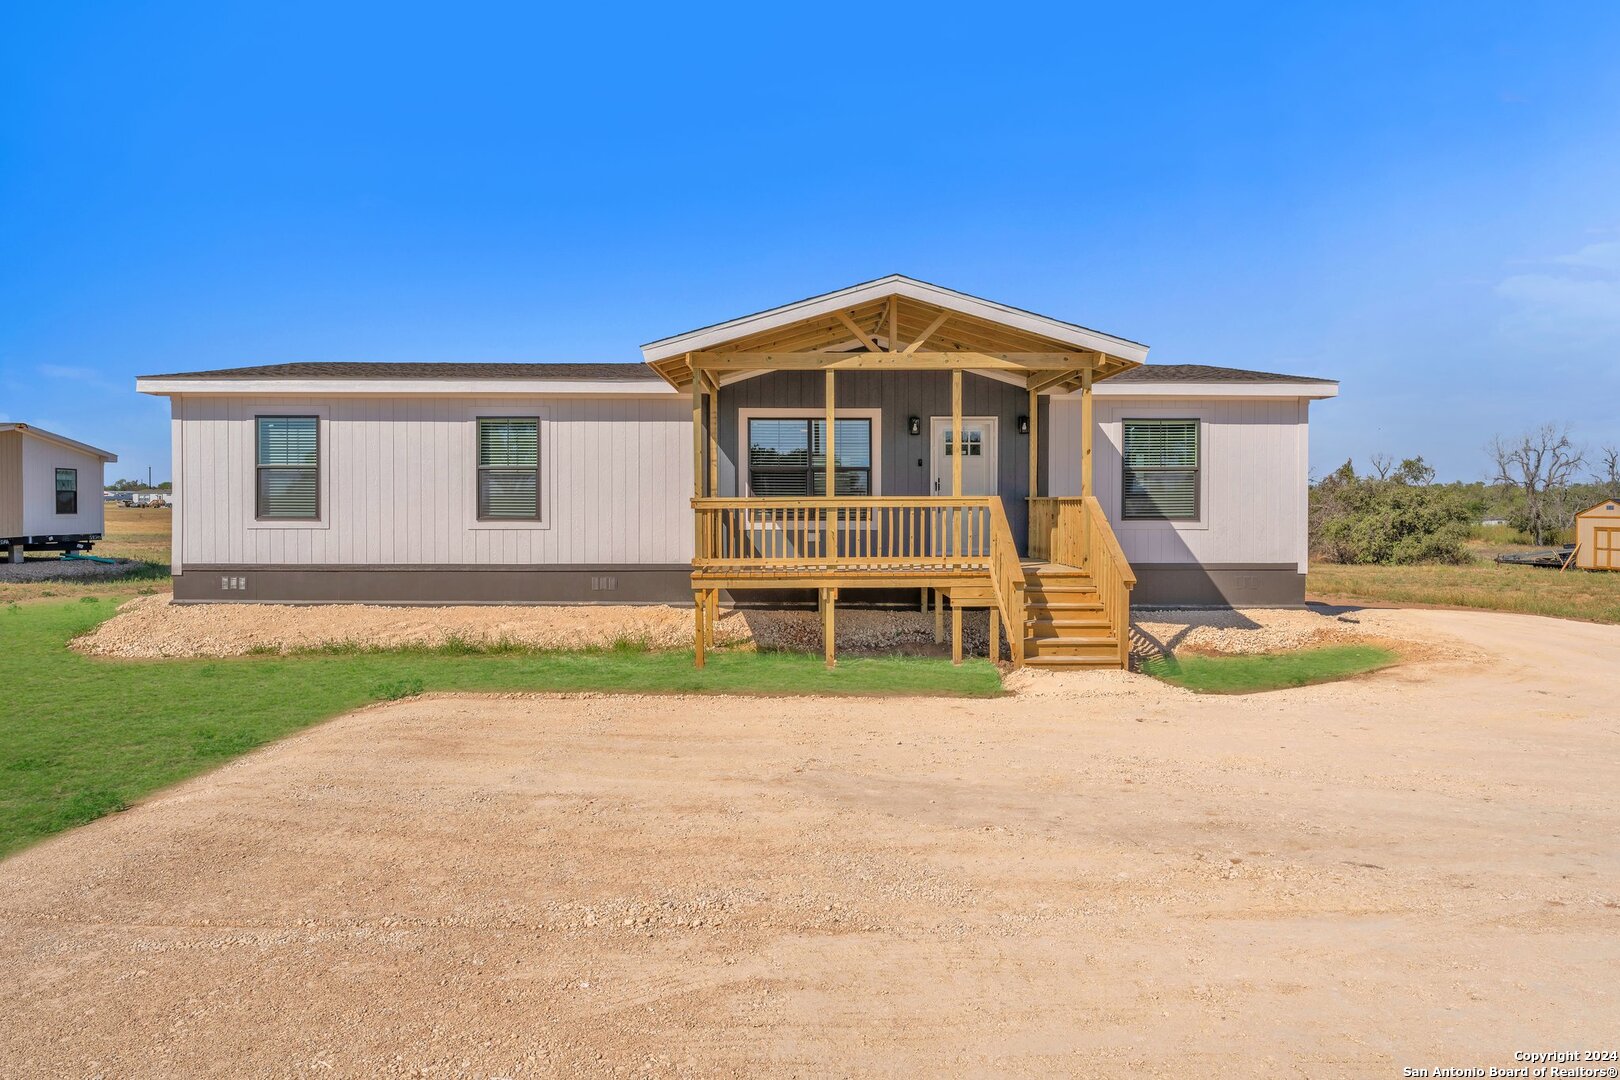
[(81, 737), (1268, 671), (1572, 594)]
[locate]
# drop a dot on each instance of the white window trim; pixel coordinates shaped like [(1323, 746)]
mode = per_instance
[(323, 465), (1116, 435), (745, 415), (546, 475)]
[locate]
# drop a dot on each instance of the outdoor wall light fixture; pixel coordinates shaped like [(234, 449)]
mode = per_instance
[(1023, 425), (914, 425)]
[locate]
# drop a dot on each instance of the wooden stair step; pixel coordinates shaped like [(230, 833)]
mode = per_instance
[(1068, 630), (1105, 648), (1089, 662)]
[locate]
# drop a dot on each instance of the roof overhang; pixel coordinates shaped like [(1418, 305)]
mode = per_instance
[(651, 386), (894, 322), (60, 440)]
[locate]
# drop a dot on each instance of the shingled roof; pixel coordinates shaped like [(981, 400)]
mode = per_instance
[(1170, 373), (1147, 373), (609, 372)]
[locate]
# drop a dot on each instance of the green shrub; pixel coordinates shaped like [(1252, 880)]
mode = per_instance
[(1394, 520)]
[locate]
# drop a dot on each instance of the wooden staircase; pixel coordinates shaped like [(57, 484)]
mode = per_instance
[(1066, 623)]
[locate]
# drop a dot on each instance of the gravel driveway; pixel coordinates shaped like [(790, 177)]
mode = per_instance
[(1101, 876)]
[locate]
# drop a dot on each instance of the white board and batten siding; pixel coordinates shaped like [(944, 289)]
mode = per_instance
[(398, 483), (1254, 476), (28, 463)]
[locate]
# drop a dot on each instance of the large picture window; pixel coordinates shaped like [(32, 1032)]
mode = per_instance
[(288, 467), (1161, 470), (509, 468), (787, 457), (67, 491)]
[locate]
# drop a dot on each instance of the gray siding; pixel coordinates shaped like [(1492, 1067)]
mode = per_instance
[(899, 395)]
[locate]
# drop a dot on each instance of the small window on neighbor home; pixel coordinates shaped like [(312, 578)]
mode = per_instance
[(1161, 470), (288, 481), (67, 491), (509, 468)]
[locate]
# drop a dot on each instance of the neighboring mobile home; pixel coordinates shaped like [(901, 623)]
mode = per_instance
[(49, 487), (1082, 473)]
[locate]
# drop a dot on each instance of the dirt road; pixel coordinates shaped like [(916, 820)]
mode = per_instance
[(1101, 877)]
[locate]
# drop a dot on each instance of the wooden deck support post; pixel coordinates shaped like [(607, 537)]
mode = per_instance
[(1087, 422), (829, 603), (697, 637), (956, 634), (925, 601), (939, 618), (714, 616), (995, 634)]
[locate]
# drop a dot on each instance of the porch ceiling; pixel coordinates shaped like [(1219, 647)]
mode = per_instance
[(896, 324)]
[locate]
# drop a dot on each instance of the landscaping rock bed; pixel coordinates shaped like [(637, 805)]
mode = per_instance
[(152, 626), (53, 569)]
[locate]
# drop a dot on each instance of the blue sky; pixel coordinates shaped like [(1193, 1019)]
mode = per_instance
[(1420, 200)]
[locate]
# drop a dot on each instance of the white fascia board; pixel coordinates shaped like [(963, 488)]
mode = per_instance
[(653, 387), (921, 291), (60, 440), (1312, 390)]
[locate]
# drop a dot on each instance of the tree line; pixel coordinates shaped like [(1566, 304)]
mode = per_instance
[(1396, 513)]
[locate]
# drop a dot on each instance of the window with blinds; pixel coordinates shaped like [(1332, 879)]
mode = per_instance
[(288, 467), (67, 491), (787, 457), (508, 468), (1161, 470)]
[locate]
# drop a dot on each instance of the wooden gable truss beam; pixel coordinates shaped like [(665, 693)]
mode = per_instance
[(1067, 363)]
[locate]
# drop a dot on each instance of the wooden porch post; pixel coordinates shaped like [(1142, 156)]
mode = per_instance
[(697, 435), (995, 634), (700, 603), (830, 485), (1034, 442), (956, 634), (956, 458), (714, 434), (1086, 424)]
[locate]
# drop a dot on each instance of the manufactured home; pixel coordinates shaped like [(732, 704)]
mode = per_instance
[(49, 487), (892, 441)]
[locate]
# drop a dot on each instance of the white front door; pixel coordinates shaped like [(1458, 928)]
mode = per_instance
[(979, 444)]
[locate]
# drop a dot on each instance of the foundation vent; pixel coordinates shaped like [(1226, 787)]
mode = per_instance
[(604, 583)]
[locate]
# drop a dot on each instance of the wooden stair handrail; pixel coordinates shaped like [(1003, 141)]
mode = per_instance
[(1007, 578)]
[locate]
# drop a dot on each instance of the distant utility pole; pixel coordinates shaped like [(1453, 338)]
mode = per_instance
[(149, 478)]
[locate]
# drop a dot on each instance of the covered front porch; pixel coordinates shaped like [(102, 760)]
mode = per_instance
[(964, 526)]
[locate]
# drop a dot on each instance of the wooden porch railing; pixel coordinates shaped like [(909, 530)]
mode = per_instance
[(948, 535), (1007, 578), (1057, 530), (1075, 532)]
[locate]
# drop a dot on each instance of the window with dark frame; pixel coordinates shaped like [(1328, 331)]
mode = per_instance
[(787, 456), (288, 466), (67, 491), (508, 468), (1161, 463)]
